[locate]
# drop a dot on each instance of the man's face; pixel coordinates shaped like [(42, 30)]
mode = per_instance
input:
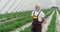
[(37, 8)]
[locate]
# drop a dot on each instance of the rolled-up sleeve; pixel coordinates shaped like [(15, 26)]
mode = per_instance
[(42, 14)]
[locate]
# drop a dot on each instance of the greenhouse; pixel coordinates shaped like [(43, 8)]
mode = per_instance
[(15, 15)]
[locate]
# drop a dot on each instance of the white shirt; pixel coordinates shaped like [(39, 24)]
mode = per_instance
[(41, 15)]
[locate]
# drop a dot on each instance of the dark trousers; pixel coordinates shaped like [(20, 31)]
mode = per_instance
[(36, 27)]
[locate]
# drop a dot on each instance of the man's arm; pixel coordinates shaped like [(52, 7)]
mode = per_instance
[(32, 14), (43, 17)]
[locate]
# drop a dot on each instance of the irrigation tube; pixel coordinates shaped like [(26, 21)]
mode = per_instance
[(5, 6)]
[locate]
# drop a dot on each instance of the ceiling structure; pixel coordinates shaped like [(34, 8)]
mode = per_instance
[(8, 6)]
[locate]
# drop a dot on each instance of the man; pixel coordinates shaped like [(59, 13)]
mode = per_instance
[(38, 18)]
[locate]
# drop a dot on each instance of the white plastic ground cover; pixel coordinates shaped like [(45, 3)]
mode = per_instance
[(22, 27), (47, 22), (3, 19), (57, 22), (10, 20)]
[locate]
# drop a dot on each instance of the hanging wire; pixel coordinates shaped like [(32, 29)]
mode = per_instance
[(21, 5), (17, 6), (26, 2), (26, 5), (11, 15), (11, 6), (4, 6), (3, 17), (31, 4)]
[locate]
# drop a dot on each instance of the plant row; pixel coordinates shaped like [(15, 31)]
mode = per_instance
[(52, 27)]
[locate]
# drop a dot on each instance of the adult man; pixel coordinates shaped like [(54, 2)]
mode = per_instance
[(38, 18)]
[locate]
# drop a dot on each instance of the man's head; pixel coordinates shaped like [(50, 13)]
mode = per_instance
[(37, 7)]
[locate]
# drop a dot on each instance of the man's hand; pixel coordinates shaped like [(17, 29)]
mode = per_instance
[(43, 19)]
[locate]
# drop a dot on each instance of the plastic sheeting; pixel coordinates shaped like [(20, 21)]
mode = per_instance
[(8, 6)]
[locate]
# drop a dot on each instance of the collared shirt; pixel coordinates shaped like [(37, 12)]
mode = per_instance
[(40, 16)]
